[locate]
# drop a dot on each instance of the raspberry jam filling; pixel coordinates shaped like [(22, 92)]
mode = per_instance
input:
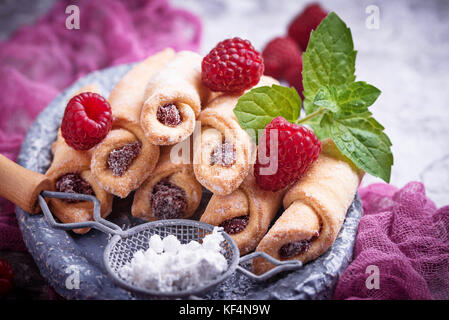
[(223, 155), (169, 115), (292, 249), (73, 183), (235, 225), (120, 159), (168, 200)]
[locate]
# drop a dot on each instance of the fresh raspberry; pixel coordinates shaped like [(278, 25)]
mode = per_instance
[(298, 148), (232, 66), (301, 27), (280, 54), (293, 75), (87, 120), (6, 278), (283, 61)]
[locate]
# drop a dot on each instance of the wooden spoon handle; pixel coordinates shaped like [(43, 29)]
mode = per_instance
[(21, 186)]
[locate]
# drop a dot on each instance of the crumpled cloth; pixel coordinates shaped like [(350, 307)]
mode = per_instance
[(40, 60), (406, 237)]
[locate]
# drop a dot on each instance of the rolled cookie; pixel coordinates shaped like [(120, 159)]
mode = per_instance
[(223, 152), (245, 214), (315, 208), (70, 172), (171, 191), (173, 100), (125, 158)]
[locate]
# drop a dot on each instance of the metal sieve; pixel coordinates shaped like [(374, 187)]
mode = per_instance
[(124, 243)]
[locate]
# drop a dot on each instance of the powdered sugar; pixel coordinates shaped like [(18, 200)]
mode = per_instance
[(167, 265)]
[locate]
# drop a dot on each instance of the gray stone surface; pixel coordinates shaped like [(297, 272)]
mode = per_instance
[(57, 253)]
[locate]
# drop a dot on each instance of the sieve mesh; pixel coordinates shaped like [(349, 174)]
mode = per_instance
[(121, 250), (125, 243)]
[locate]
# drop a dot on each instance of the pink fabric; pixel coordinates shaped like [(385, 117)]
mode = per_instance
[(407, 238), (40, 60)]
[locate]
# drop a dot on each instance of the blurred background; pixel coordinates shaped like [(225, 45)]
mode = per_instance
[(404, 52)]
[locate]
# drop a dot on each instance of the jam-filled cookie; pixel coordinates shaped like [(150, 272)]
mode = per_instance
[(173, 100), (70, 172), (223, 151), (245, 214), (171, 191), (315, 208), (125, 158)]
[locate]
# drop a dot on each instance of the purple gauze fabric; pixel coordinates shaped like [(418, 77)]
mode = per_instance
[(404, 235), (40, 60)]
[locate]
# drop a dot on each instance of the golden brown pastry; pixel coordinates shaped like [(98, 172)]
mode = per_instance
[(171, 192), (223, 152), (173, 100), (125, 158), (245, 214), (315, 208)]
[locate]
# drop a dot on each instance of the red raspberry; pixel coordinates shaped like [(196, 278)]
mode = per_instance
[(298, 148), (293, 75), (87, 120), (280, 54), (6, 278), (309, 19), (232, 66)]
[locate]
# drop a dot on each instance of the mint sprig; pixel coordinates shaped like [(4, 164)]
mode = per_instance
[(336, 105), (329, 59), (259, 106)]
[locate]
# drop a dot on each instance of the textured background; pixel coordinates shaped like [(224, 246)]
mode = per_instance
[(407, 58)]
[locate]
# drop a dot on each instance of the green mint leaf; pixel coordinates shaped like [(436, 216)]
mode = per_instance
[(325, 125), (345, 118), (343, 101), (320, 124), (318, 127), (256, 108), (327, 97), (336, 106), (348, 99), (329, 59), (363, 141), (357, 97), (321, 119)]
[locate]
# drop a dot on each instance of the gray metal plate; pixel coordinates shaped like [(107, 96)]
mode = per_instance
[(60, 255)]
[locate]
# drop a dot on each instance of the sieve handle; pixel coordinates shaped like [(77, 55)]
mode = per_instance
[(21, 186), (281, 266), (99, 223)]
